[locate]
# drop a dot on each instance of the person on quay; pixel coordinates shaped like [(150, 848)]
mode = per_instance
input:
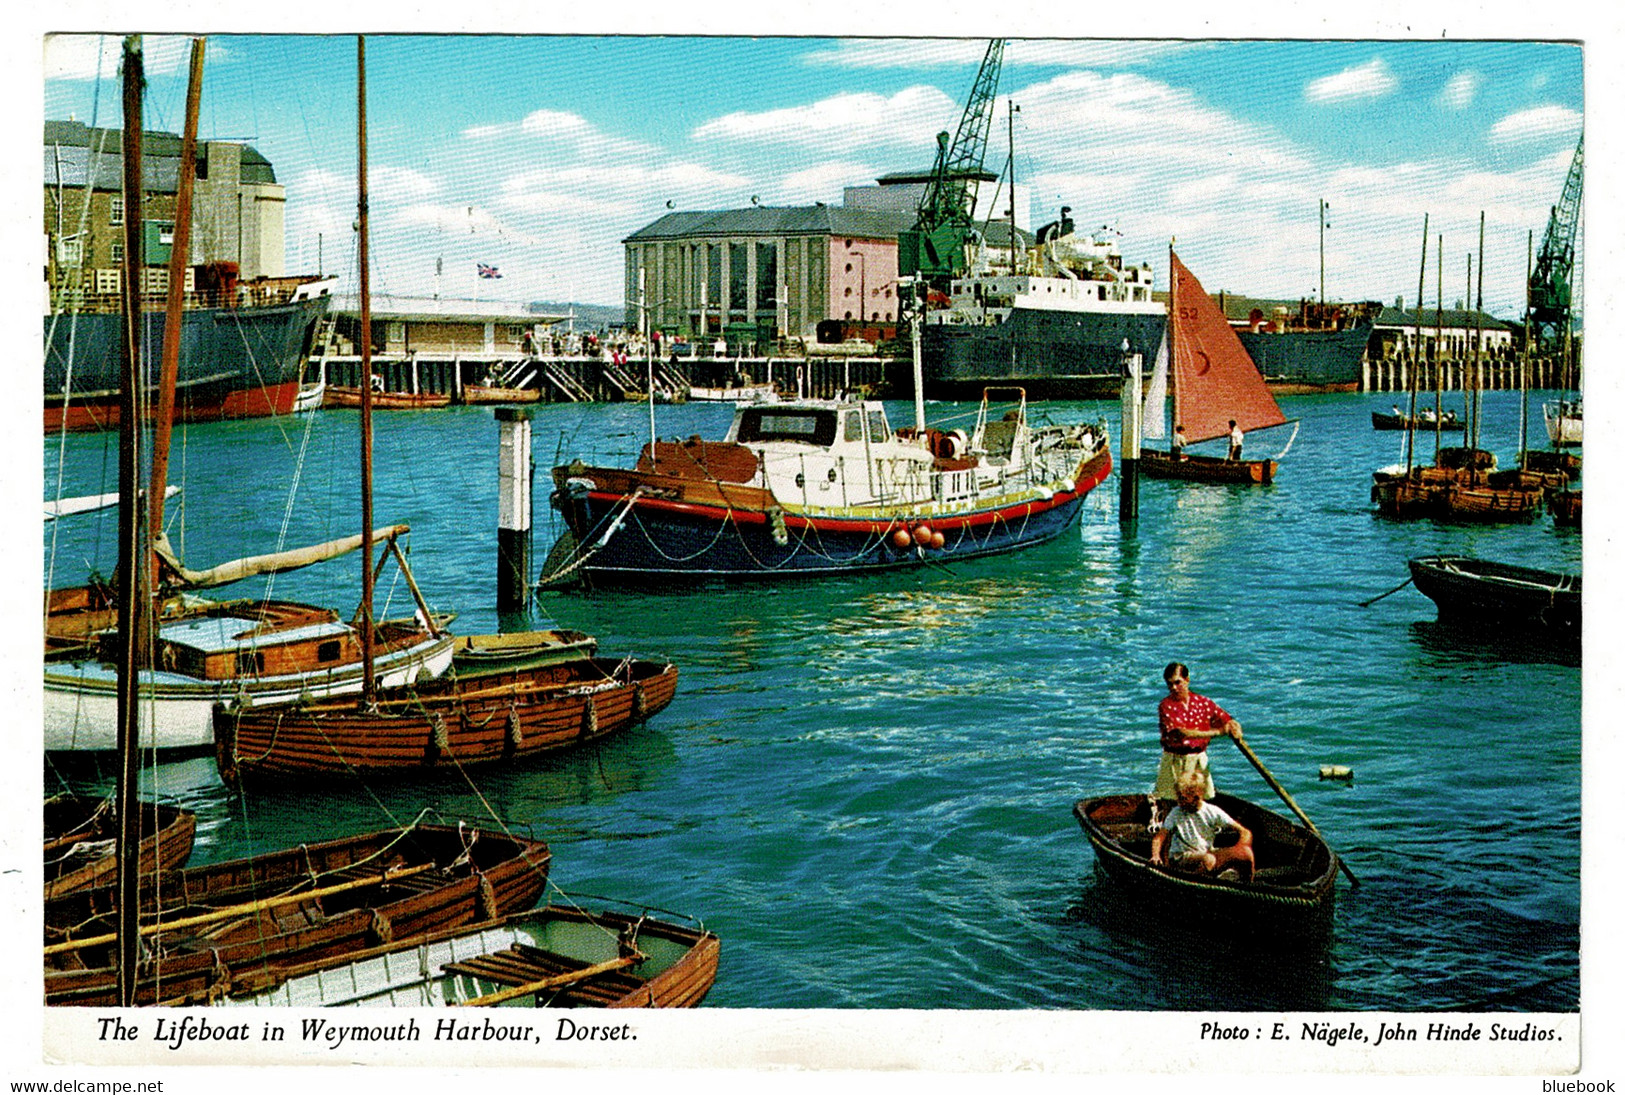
[(1235, 441), (1186, 723), (1177, 449), (1189, 837)]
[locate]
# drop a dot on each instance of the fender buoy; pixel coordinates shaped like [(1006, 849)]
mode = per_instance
[(922, 534), (938, 540), (901, 538)]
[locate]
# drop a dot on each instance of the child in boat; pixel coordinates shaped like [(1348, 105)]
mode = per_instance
[(1190, 832)]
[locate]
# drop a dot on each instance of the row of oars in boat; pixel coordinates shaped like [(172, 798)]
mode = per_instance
[(247, 908)]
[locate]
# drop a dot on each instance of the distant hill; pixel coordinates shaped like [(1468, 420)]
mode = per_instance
[(588, 316)]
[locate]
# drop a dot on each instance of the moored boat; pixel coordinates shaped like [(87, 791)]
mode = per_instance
[(482, 655), (247, 651), (555, 956), (1421, 424), (336, 396), (242, 349), (1293, 890), (81, 841), (1565, 422), (483, 394), (1316, 348), (1484, 591), (441, 725), (322, 901), (820, 487), (1565, 507)]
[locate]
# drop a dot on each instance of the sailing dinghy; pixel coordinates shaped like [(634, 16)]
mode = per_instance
[(1214, 382)]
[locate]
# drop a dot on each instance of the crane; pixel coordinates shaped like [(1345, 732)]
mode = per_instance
[(1551, 282), (934, 249)]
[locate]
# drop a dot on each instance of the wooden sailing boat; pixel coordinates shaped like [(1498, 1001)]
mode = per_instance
[(1462, 484), (440, 725), (254, 651), (1215, 383), (178, 936), (81, 841)]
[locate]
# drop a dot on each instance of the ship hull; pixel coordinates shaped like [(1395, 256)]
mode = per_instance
[(1312, 360), (671, 543), (234, 362), (1050, 354)]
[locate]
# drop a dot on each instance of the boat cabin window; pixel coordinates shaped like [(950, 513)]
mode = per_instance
[(878, 430), (854, 426), (815, 427), (250, 663), (327, 651)]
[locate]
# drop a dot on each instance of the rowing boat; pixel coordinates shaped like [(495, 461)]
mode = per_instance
[(1294, 883), (203, 927), (442, 725), (557, 956), (1484, 591), (81, 835)]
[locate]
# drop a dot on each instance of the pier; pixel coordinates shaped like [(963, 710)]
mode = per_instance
[(595, 380), (1498, 372)]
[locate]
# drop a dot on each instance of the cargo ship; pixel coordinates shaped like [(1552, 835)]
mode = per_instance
[(1311, 347), (243, 346), (1055, 322)]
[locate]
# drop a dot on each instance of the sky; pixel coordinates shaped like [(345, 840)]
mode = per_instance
[(539, 154)]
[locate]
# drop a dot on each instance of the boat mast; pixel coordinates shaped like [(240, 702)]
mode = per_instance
[(1416, 358), (1478, 341), (1523, 366), (369, 684), (1173, 356), (134, 546), (179, 256)]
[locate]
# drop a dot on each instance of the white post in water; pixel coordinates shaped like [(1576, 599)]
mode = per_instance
[(917, 291), (513, 508), (1128, 499)]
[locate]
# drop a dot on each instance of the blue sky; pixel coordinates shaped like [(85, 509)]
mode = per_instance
[(539, 154)]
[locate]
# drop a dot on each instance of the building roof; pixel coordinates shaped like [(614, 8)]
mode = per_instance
[(444, 309), (761, 220), (979, 174), (1432, 319), (73, 145)]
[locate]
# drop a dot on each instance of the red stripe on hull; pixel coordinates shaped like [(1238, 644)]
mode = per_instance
[(255, 402)]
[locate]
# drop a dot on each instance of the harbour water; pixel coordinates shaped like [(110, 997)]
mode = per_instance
[(864, 786)]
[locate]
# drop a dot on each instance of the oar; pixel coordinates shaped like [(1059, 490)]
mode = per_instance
[(1247, 751)]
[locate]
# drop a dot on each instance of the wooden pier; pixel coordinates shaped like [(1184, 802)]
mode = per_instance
[(1493, 373)]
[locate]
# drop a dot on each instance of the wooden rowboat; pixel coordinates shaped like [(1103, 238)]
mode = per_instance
[(557, 957), (385, 401), (443, 724), (479, 394), (1206, 469), (1565, 507), (483, 655), (1294, 886), (203, 927), (1479, 590), (1381, 420), (81, 835)]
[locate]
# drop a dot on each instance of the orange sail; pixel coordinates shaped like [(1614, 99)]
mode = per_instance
[(1214, 379)]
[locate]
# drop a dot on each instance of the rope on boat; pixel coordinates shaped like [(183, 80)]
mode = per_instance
[(1380, 596), (614, 522)]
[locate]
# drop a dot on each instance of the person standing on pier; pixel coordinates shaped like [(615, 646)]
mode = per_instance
[(1235, 441), (1186, 723)]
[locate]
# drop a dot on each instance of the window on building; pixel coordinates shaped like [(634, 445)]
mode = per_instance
[(70, 252), (117, 252), (115, 211), (738, 276), (166, 234)]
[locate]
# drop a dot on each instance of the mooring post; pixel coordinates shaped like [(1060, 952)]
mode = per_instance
[(1128, 498), (513, 508)]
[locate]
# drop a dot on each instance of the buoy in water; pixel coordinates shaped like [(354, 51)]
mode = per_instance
[(922, 535), (1337, 771), (901, 538), (938, 540)]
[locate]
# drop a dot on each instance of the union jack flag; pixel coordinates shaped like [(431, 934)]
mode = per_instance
[(488, 271)]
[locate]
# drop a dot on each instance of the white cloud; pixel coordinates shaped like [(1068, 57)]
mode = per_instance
[(1537, 122), (1371, 80), (1461, 89), (561, 128), (847, 121), (825, 182)]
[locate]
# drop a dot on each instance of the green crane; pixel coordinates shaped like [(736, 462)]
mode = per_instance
[(1551, 283), (934, 249)]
